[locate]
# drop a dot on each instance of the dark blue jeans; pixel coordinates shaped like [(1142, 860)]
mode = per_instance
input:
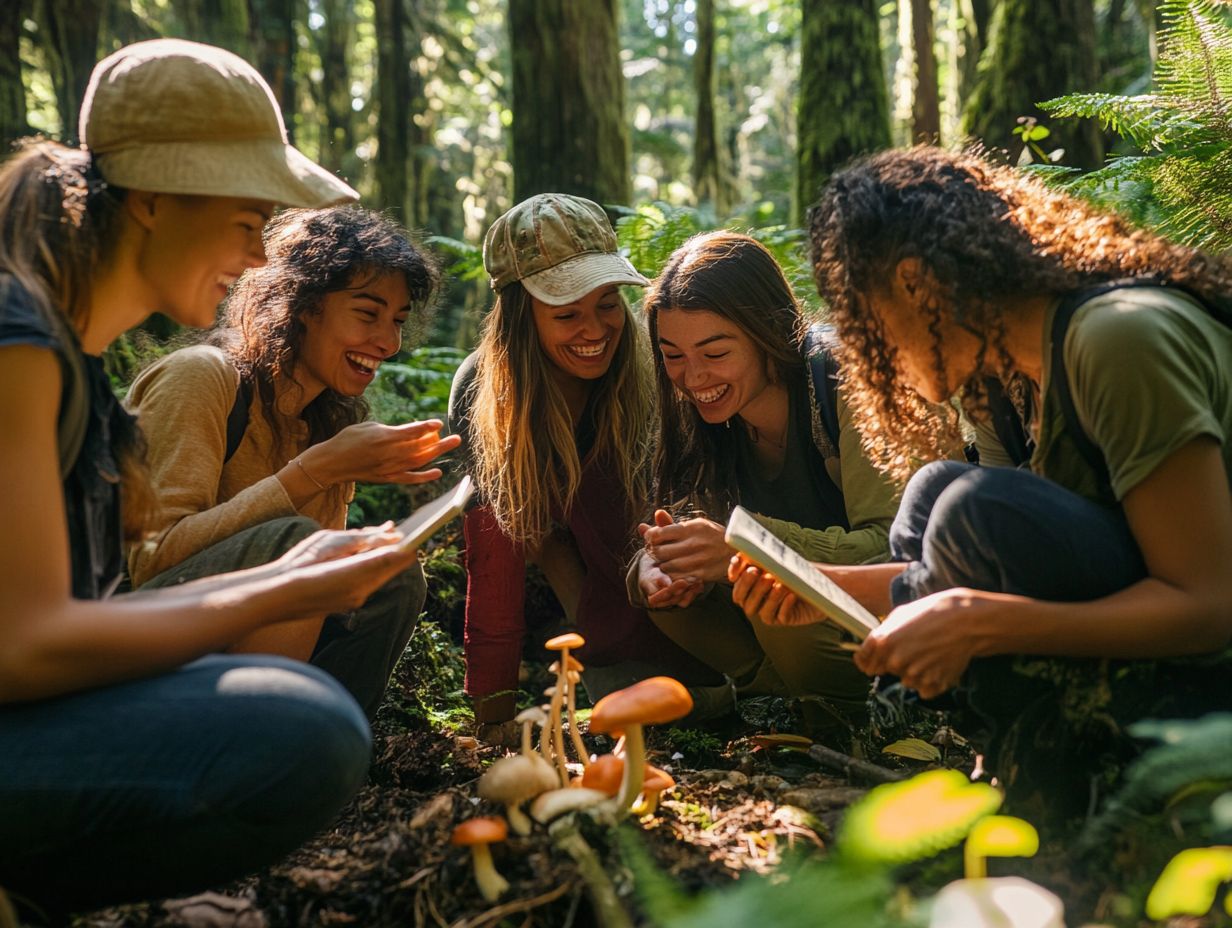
[(1008, 531), (174, 783)]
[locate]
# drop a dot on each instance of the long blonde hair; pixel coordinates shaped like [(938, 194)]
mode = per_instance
[(524, 457)]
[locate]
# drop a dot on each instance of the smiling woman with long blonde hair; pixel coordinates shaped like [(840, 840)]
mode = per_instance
[(555, 411)]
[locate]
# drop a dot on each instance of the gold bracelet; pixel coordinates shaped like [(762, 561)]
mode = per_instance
[(300, 464)]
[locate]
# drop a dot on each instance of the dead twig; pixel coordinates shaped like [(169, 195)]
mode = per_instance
[(509, 908), (853, 768)]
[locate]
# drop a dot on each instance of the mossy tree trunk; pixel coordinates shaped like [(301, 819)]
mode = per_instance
[(217, 22), (709, 154), (926, 101), (1038, 49), (337, 125), (68, 34), (393, 116), (569, 129), (843, 109), (271, 33), (13, 124)]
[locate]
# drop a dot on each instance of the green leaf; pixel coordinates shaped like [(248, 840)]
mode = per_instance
[(1189, 882), (901, 822)]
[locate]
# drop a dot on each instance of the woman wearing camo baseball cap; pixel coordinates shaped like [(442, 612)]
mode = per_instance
[(555, 411), (137, 761)]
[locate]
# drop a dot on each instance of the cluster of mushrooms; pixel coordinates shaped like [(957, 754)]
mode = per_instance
[(612, 784)]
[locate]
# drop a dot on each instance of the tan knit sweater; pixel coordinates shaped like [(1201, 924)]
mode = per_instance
[(183, 402)]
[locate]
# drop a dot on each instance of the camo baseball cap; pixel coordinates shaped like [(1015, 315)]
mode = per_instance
[(560, 247)]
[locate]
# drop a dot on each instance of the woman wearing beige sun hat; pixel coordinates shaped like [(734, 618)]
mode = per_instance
[(555, 411), (137, 761)]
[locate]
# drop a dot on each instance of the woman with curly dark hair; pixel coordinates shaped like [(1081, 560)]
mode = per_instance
[(941, 269), (256, 439)]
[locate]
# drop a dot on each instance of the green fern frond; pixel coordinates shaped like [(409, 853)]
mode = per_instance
[(1192, 752), (1148, 120)]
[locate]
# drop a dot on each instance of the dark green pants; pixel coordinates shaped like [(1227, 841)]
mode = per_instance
[(359, 649), (803, 661)]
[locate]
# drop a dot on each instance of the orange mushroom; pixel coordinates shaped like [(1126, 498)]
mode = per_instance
[(649, 702), (655, 782), (604, 774), (478, 834)]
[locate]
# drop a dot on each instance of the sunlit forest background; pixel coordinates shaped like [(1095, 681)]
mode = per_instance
[(446, 112)]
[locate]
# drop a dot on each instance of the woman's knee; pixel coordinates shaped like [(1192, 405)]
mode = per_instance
[(300, 744), (917, 505), (973, 525)]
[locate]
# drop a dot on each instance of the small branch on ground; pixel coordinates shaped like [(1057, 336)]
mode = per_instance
[(852, 767)]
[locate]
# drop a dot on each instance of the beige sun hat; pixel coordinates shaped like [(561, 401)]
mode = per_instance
[(560, 247), (169, 116)]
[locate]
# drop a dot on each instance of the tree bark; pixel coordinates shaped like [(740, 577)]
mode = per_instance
[(218, 22), (1038, 49), (709, 170), (337, 123), (569, 129), (926, 100), (271, 34), (843, 111), (13, 124), (68, 33), (393, 90)]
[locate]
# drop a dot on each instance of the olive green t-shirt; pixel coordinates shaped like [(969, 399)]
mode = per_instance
[(1150, 370)]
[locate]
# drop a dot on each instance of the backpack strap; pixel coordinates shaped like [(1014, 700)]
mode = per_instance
[(823, 378), (237, 419), (74, 415), (1007, 422)]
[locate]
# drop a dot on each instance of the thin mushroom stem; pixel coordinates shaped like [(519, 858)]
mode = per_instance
[(558, 735), (545, 735), (519, 821), (578, 744), (609, 913), (527, 747), (635, 767), (491, 884)]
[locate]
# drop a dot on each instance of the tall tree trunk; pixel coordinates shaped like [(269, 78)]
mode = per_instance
[(1039, 49), (709, 154), (68, 33), (338, 122), (981, 18), (926, 100), (271, 34), (968, 45), (217, 22), (13, 124), (568, 91), (842, 107), (393, 76)]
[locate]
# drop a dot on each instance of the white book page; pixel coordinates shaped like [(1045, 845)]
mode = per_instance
[(421, 524), (767, 551)]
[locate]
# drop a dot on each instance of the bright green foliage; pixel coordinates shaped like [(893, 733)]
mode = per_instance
[(1182, 181), (1190, 882), (900, 822), (650, 233), (998, 836)]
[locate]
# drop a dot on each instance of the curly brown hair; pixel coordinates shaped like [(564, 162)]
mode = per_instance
[(985, 234), (311, 253)]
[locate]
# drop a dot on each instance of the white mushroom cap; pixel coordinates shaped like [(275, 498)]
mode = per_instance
[(557, 802)]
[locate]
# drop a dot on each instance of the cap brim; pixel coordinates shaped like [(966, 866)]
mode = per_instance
[(571, 280), (259, 169)]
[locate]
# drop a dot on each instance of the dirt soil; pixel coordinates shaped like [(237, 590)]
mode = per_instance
[(388, 860)]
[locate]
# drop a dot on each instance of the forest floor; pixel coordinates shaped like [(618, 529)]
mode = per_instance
[(749, 800)]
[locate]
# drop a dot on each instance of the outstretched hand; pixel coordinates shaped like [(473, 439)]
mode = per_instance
[(376, 453)]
